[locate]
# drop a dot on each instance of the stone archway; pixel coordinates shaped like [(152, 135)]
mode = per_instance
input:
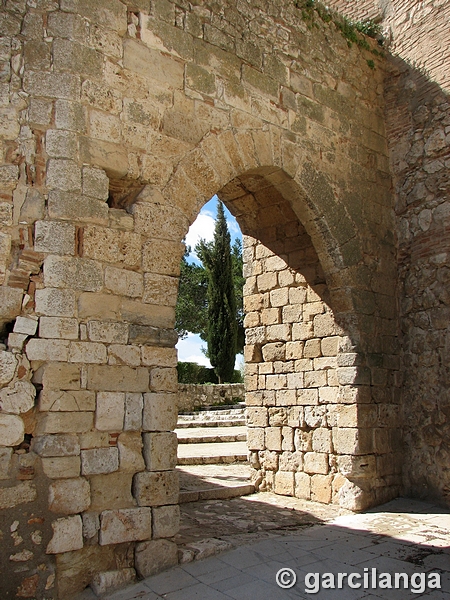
[(119, 126)]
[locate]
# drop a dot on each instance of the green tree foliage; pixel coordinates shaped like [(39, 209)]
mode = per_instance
[(192, 305)]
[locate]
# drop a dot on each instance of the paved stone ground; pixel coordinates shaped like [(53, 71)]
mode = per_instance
[(269, 534)]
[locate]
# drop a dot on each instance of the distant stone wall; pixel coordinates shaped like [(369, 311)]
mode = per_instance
[(191, 396)]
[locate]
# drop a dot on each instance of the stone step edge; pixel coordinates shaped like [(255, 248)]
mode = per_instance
[(213, 439), (212, 460), (217, 493), (187, 424)]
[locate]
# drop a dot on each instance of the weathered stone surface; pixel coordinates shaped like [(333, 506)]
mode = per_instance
[(58, 327), (156, 489), (110, 412), (160, 451), (130, 452), (55, 302), (12, 430), (25, 325), (134, 404), (66, 422), (67, 535), (113, 378), (54, 237), (5, 462), (125, 525), (73, 273), (111, 580), (19, 398), (160, 412), (155, 556), (111, 491), (166, 521), (69, 496), (99, 460), (62, 467), (56, 445), (19, 494), (66, 401), (8, 364)]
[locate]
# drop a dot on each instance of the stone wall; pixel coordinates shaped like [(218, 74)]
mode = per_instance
[(119, 121), (191, 396)]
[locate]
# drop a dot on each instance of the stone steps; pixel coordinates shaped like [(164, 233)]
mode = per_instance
[(215, 453), (207, 482), (209, 435), (229, 417)]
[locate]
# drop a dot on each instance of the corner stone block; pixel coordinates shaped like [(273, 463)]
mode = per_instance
[(12, 430), (99, 461), (155, 556), (156, 489), (166, 521), (110, 411), (160, 451), (69, 496), (160, 412), (67, 535), (125, 525)]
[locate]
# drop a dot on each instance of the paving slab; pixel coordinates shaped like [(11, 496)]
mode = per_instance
[(310, 540), (215, 453)]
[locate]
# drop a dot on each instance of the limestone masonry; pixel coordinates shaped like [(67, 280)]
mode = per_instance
[(118, 121)]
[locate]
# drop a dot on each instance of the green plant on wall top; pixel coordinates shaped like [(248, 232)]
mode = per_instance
[(352, 31)]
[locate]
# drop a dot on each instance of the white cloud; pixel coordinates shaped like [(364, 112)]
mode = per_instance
[(190, 350), (201, 228)]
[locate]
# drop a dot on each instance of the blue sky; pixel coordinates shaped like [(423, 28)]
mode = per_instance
[(190, 349)]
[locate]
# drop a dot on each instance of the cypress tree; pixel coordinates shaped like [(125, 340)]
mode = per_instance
[(222, 324)]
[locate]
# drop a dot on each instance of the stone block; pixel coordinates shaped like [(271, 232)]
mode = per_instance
[(61, 376), (26, 325), (162, 257), (55, 302), (124, 282), (273, 438), (255, 438), (166, 521), (73, 273), (159, 221), (95, 439), (134, 404), (19, 494), (91, 524), (160, 289), (316, 462), (66, 422), (164, 380), (72, 206), (160, 412), (62, 467), (66, 401), (52, 85), (88, 352), (95, 183), (110, 412), (153, 356), (47, 349), (112, 245), (61, 144), (117, 379), (130, 451), (111, 491), (302, 486), (125, 525), (352, 440), (160, 451), (108, 581), (19, 398), (156, 488), (54, 237), (321, 488), (8, 364), (56, 445), (358, 466), (123, 354), (99, 306), (69, 496), (16, 342), (155, 556), (107, 332), (12, 430), (315, 379), (321, 440), (284, 483), (5, 462), (106, 155), (99, 461), (67, 535), (6, 214), (58, 327), (63, 174)]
